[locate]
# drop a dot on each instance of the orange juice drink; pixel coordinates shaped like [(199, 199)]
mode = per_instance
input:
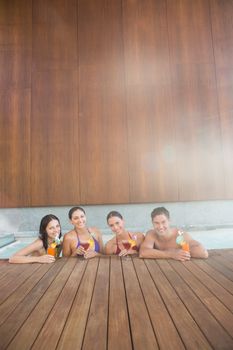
[(185, 246), (51, 251)]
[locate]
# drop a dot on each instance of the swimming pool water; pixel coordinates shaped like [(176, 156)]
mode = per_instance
[(211, 239)]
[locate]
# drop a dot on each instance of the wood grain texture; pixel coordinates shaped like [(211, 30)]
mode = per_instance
[(190, 333), (15, 147), (54, 139), (103, 134), (118, 327), (76, 303), (222, 26), (195, 103), (15, 102), (152, 155), (54, 34), (201, 305), (54, 123), (115, 101)]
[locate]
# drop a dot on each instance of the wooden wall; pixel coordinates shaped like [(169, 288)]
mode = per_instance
[(115, 101)]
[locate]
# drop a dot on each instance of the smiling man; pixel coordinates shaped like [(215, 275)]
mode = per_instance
[(169, 243)]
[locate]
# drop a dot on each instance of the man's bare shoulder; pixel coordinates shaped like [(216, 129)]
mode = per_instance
[(150, 234)]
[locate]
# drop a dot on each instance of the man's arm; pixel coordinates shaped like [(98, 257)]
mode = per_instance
[(196, 248), (148, 251)]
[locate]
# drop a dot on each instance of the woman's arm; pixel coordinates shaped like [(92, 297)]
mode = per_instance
[(110, 247), (23, 256), (99, 238), (66, 246), (140, 239)]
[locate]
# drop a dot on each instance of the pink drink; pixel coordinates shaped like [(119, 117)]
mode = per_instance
[(85, 245), (126, 245)]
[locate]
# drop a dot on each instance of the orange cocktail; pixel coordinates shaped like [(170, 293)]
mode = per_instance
[(51, 251), (185, 246)]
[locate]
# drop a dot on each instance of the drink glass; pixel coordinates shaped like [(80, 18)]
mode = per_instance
[(185, 246), (51, 251), (127, 246), (85, 245)]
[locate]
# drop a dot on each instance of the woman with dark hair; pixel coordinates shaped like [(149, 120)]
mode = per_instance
[(82, 240), (124, 243), (45, 247)]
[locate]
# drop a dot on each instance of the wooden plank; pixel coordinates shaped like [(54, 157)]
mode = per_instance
[(151, 140), (54, 35), (226, 261), (15, 108), (54, 94), (143, 336), (102, 115), (159, 315), (52, 329), (23, 310), (203, 305), (20, 293), (190, 333), (27, 334), (195, 101), (15, 102), (74, 329), (96, 329), (118, 323), (8, 269), (214, 274), (221, 268), (221, 15), (215, 288), (3, 262), (10, 283)]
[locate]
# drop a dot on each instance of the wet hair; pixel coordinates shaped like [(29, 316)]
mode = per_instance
[(42, 230), (72, 210), (114, 213), (160, 211)]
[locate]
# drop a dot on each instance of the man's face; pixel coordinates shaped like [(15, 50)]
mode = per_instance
[(161, 224)]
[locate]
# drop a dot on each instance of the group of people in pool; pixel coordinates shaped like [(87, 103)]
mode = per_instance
[(160, 242)]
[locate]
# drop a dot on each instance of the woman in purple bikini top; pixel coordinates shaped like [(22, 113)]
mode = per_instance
[(82, 240)]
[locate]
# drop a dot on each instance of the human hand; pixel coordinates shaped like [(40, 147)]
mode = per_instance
[(80, 250), (181, 255), (46, 259), (88, 254), (123, 252)]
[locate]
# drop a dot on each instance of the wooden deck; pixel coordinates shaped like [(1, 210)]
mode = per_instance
[(113, 303)]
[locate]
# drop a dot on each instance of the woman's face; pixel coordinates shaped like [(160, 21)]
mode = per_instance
[(78, 219), (53, 229), (116, 224)]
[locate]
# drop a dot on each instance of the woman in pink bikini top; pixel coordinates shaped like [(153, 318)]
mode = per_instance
[(124, 242)]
